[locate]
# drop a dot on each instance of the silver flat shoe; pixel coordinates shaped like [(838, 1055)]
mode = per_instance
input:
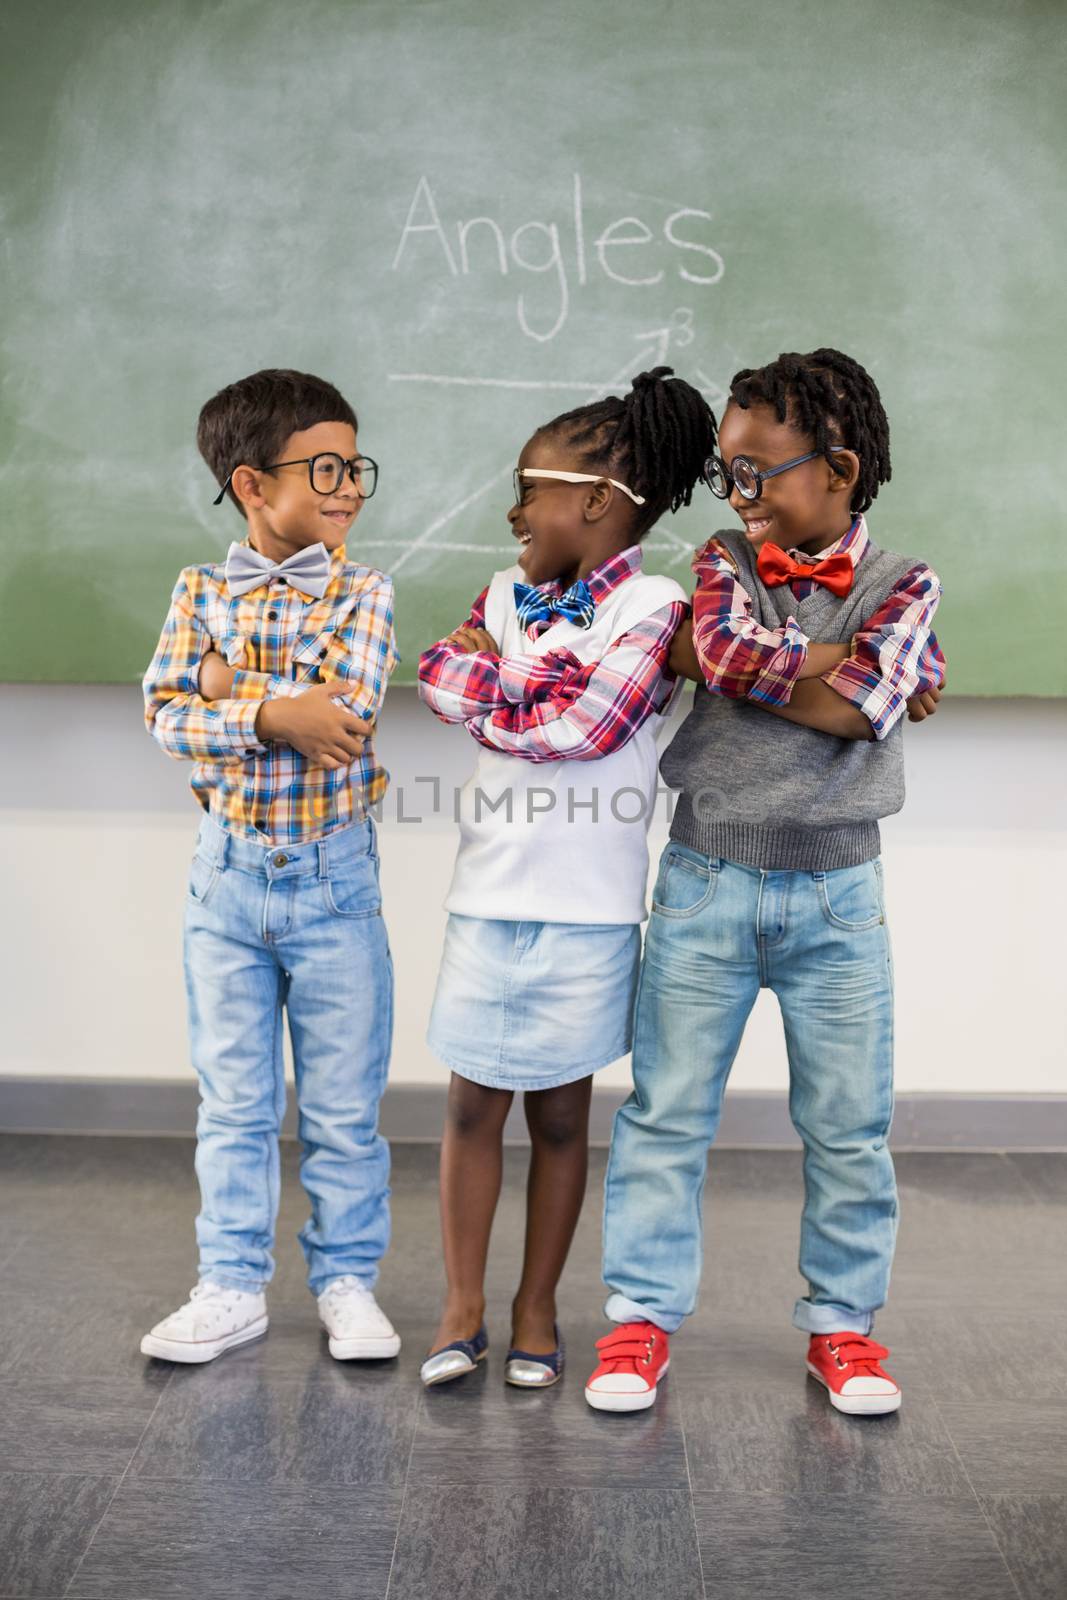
[(528, 1371), (455, 1360)]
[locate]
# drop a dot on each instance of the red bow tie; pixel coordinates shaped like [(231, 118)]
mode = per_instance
[(775, 566)]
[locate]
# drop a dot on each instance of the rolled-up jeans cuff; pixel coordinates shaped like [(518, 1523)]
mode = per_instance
[(227, 1280), (831, 1319), (367, 1276), (619, 1309)]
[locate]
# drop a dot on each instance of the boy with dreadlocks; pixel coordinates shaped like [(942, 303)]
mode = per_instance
[(806, 642), (561, 675)]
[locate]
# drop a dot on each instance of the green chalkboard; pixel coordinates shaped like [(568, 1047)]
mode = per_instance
[(472, 216)]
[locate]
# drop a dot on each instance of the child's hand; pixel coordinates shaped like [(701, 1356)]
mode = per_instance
[(216, 677), (329, 735), (471, 639), (924, 705)]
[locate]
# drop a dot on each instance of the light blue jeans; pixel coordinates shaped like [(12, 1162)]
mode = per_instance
[(296, 928), (717, 934)]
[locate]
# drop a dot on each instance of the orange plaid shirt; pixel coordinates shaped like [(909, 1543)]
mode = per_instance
[(281, 642)]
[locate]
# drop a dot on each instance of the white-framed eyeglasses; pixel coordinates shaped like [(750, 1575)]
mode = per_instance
[(570, 477)]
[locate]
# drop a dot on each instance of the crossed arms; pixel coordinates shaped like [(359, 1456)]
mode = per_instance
[(198, 707), (858, 690), (550, 707)]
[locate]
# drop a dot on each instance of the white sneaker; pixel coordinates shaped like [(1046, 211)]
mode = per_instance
[(358, 1327), (212, 1320)]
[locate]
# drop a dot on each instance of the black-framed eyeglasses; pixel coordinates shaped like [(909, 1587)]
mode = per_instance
[(744, 474), (326, 473)]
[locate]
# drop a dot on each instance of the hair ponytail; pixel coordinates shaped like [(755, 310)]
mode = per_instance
[(656, 439)]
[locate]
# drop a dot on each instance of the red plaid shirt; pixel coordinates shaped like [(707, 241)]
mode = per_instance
[(551, 707), (894, 655)]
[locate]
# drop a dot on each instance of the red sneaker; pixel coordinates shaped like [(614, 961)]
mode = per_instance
[(632, 1361), (848, 1365)]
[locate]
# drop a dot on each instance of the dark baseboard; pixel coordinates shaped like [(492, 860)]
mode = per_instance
[(753, 1120)]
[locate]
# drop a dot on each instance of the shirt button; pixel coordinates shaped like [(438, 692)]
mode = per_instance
[(281, 861), (272, 616)]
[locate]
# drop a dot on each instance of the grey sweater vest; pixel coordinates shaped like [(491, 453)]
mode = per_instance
[(772, 794)]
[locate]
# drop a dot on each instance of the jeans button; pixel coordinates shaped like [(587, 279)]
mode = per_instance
[(281, 861)]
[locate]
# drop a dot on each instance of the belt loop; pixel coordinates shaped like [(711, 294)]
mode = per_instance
[(324, 862), (224, 853)]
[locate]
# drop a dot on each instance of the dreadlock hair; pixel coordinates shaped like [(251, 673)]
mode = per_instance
[(656, 440), (831, 398)]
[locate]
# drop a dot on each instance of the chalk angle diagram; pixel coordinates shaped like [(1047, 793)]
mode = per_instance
[(653, 349)]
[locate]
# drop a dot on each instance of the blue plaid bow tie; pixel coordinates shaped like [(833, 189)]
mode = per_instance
[(308, 570), (533, 605)]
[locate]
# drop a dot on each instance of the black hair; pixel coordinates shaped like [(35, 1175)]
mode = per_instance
[(831, 398), (248, 422), (656, 440)]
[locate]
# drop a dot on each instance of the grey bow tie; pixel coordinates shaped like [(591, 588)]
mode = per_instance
[(308, 570)]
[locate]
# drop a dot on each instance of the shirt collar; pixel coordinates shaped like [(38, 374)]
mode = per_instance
[(608, 575), (852, 544)]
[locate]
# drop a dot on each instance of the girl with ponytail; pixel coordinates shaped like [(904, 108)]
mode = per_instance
[(561, 674)]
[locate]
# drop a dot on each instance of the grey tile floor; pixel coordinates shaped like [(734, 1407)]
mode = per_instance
[(278, 1473)]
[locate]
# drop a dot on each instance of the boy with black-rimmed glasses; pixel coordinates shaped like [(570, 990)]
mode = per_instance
[(269, 675)]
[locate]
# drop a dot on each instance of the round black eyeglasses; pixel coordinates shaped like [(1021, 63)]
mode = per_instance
[(744, 475), (326, 473)]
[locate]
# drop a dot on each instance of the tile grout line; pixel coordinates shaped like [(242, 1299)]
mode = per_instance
[(404, 1496), (121, 1481), (693, 1508), (977, 1500)]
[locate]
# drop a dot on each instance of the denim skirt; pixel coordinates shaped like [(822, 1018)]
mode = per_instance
[(532, 1005)]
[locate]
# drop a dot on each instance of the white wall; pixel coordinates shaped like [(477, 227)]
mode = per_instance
[(98, 826)]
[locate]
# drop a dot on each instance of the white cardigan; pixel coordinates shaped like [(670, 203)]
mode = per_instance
[(532, 847)]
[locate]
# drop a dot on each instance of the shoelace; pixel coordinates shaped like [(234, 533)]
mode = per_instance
[(348, 1285), (855, 1349), (215, 1294), (626, 1347)]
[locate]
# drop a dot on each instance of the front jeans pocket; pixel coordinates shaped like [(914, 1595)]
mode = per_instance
[(686, 883), (203, 878), (851, 897), (353, 890)]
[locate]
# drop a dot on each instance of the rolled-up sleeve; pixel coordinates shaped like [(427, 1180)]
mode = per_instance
[(182, 723), (738, 657), (895, 655)]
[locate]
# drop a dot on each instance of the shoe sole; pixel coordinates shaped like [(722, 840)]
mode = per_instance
[(190, 1354), (450, 1377), (858, 1405), (364, 1349), (605, 1400)]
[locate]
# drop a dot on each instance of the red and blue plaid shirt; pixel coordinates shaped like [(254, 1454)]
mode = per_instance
[(281, 642), (550, 707), (894, 655)]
